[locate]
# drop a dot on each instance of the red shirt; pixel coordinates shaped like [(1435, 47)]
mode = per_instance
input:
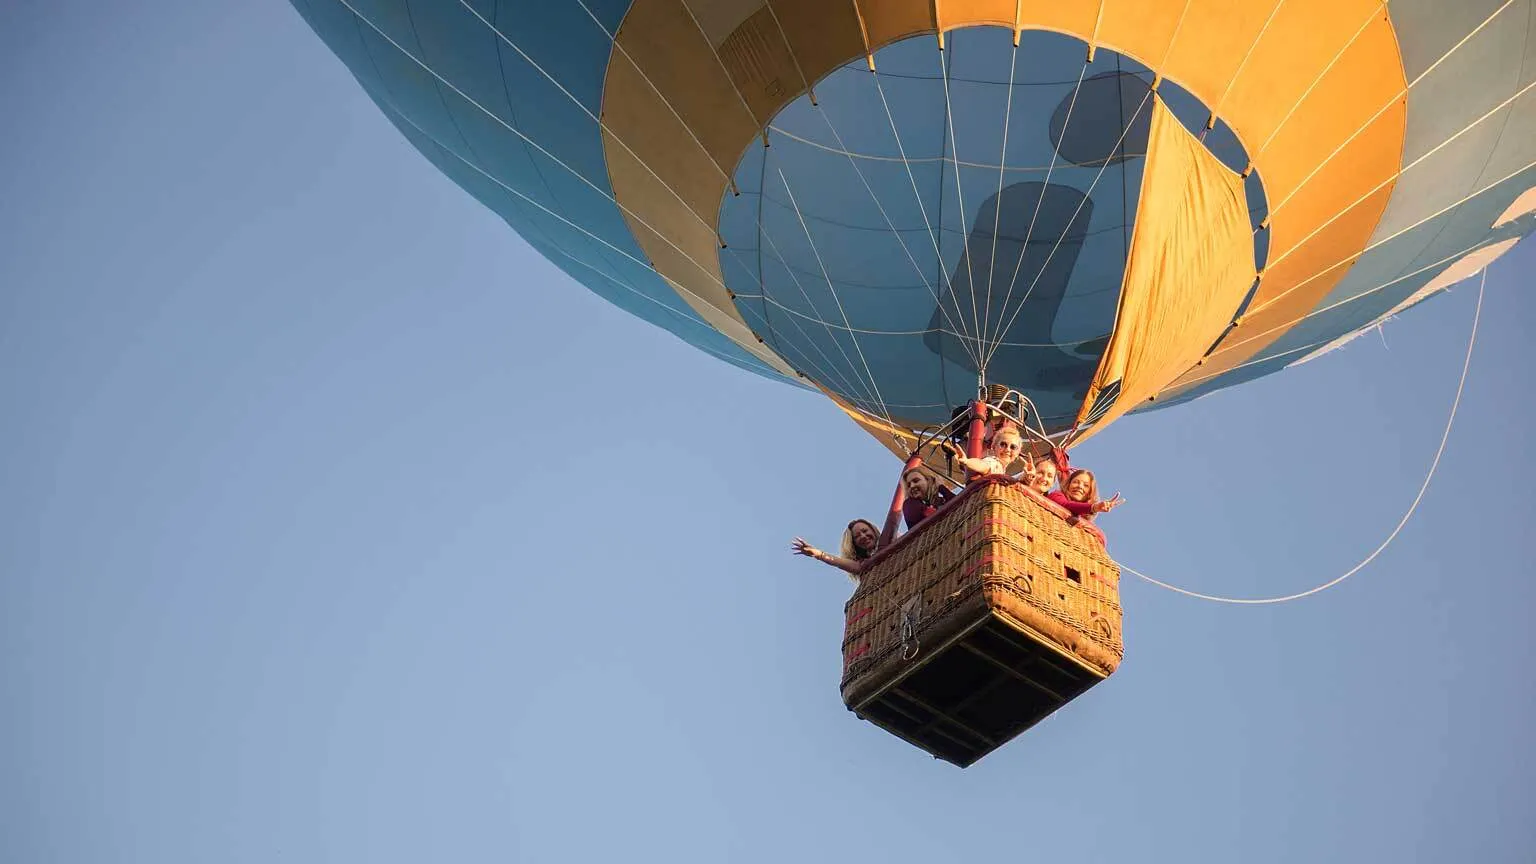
[(1083, 512), (1076, 508), (914, 511)]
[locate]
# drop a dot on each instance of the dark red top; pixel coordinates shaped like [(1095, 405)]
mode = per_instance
[(914, 511), (1076, 508)]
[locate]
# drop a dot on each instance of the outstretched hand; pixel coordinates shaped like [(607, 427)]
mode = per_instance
[(799, 547), (1108, 505), (1029, 475)]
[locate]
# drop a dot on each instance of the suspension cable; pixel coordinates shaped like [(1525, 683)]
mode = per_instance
[(1435, 464)]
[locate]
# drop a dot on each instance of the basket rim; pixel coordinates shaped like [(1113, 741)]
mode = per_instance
[(970, 489)]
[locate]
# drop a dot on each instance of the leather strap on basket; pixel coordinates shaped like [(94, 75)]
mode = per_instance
[(911, 615)]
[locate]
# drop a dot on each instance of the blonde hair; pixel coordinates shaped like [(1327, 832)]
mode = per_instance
[(1008, 432), (850, 549), (934, 483)]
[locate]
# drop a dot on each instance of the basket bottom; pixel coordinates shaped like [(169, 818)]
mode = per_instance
[(975, 693)]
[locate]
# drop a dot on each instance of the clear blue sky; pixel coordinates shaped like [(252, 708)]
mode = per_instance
[(336, 525)]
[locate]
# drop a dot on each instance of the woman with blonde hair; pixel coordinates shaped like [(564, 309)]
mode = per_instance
[(925, 493), (860, 540), (1041, 474), (1007, 445), (1079, 495)]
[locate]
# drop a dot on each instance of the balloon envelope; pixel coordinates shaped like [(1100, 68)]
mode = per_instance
[(817, 192)]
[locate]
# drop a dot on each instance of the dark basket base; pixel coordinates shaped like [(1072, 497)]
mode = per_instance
[(973, 694)]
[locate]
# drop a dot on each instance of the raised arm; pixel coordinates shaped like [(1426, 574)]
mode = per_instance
[(1028, 475), (1109, 504), (852, 568), (977, 466)]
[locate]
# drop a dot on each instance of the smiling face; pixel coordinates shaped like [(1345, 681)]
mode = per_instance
[(917, 484), (1006, 446), (864, 536), (1080, 486), (1045, 476)]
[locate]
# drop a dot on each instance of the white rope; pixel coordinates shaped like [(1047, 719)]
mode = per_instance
[(1375, 13), (1157, 75), (751, 348), (933, 237), (965, 237), (504, 38), (556, 159), (1396, 97), (808, 239), (1232, 346), (1178, 28), (1379, 186), (873, 387), (619, 47), (1002, 159), (1067, 228), (508, 41), (1322, 310), (1435, 464), (761, 228), (1350, 258), (869, 394), (835, 326), (847, 382), (1221, 100), (742, 97), (390, 108), (1464, 40), (443, 81), (805, 362), (1040, 200), (964, 343), (844, 382), (916, 160), (788, 46)]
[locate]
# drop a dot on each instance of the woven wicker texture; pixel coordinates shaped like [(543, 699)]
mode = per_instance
[(997, 550)]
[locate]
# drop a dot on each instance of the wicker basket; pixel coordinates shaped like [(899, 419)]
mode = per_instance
[(979, 623)]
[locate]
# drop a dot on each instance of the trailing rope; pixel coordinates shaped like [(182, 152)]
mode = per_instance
[(1450, 421)]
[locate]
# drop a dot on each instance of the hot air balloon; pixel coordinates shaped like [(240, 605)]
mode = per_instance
[(1079, 208)]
